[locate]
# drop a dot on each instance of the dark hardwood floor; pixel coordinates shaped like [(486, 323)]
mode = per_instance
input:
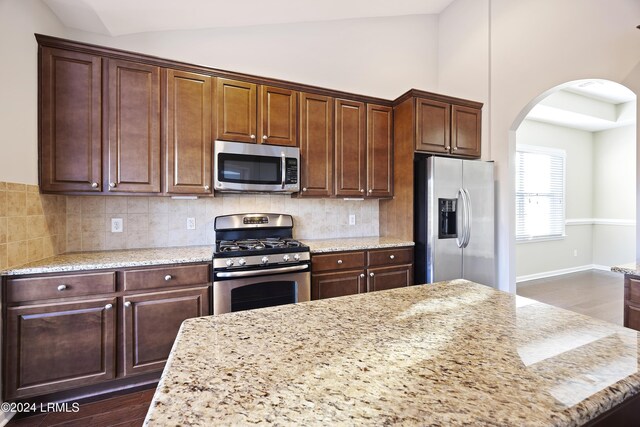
[(127, 410), (595, 293)]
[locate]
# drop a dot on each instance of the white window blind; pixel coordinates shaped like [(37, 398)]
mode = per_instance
[(540, 192)]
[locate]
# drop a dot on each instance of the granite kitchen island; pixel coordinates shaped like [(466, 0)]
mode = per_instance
[(453, 353)]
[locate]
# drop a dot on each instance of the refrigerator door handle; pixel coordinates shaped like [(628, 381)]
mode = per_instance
[(462, 206), (468, 213)]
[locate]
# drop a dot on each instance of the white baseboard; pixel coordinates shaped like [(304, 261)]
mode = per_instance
[(552, 273)]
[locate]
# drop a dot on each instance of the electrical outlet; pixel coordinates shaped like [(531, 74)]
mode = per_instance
[(575, 252), (116, 225), (352, 219), (191, 223)]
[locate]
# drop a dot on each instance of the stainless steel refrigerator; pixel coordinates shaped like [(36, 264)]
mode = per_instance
[(454, 220)]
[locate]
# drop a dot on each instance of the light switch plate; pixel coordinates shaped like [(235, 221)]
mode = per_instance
[(191, 223), (352, 219), (116, 225)]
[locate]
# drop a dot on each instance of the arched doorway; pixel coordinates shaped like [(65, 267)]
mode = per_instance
[(575, 175)]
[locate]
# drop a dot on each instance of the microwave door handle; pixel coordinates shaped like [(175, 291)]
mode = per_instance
[(283, 170)]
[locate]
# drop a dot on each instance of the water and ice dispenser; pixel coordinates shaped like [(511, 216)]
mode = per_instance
[(447, 214)]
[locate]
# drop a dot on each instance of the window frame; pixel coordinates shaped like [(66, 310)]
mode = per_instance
[(550, 151)]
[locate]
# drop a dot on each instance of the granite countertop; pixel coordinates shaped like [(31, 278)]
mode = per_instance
[(452, 353), (631, 268), (318, 246), (114, 259)]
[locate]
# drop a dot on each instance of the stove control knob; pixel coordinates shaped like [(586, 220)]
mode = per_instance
[(242, 261), (265, 260), (296, 257), (229, 262), (286, 258)]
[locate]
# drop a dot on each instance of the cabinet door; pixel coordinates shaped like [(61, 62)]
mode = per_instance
[(70, 117), (465, 131), (236, 110), (632, 316), (188, 133), (316, 145), (54, 347), (329, 285), (379, 151), (350, 148), (433, 120), (151, 323), (278, 116), (381, 278), (134, 127)]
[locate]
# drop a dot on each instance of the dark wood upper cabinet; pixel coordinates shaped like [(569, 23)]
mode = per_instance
[(465, 131), (70, 121), (433, 126), (134, 127), (189, 134), (350, 158), (379, 151), (237, 110), (53, 347), (151, 323), (316, 145), (278, 116)]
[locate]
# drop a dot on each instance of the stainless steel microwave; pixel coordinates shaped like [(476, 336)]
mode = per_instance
[(256, 168)]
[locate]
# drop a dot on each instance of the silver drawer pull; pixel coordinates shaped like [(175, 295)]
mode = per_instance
[(94, 185), (362, 275), (168, 277), (371, 274), (127, 304), (108, 306), (62, 287), (392, 256), (339, 261)]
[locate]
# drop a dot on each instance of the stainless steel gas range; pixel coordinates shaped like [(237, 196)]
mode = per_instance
[(257, 263)]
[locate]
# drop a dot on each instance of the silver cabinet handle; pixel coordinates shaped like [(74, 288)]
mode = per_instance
[(168, 277), (392, 256), (108, 306), (339, 261), (371, 274), (455, 148), (362, 275), (253, 136), (362, 190), (94, 185), (127, 304), (264, 137), (112, 184), (206, 187), (304, 189), (62, 287), (370, 191)]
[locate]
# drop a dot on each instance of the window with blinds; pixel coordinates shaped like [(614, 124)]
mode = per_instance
[(540, 193)]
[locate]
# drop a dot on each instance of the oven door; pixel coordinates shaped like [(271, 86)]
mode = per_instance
[(248, 291)]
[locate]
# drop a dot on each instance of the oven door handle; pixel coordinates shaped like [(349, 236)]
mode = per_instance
[(262, 272)]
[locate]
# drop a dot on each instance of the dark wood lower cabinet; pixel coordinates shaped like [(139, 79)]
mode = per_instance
[(329, 285), (382, 278), (57, 346), (151, 323), (348, 273)]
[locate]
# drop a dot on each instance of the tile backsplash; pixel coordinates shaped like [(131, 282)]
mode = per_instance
[(32, 225), (35, 226)]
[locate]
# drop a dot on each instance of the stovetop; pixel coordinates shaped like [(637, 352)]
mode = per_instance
[(252, 247)]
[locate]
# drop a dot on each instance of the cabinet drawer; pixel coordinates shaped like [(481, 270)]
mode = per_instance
[(340, 261), (39, 288), (164, 277), (391, 256), (633, 292)]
